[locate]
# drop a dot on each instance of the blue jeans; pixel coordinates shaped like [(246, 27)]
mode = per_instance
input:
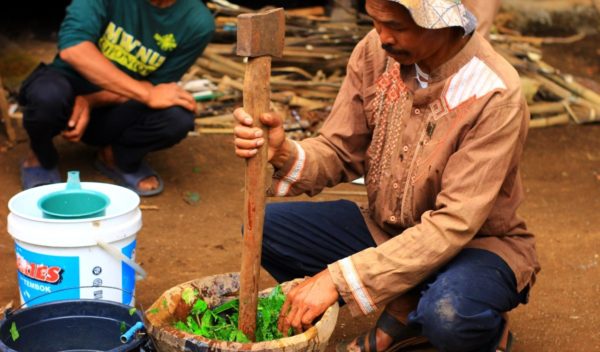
[(459, 306)]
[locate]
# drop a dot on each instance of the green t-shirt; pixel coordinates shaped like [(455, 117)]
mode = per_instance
[(144, 41)]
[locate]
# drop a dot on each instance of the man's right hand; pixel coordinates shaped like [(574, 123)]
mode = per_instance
[(248, 138), (166, 95)]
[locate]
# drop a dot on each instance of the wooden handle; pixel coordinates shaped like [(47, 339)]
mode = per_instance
[(256, 102)]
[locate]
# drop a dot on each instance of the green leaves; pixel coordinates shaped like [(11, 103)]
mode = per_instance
[(132, 311), (14, 333), (221, 323), (199, 307)]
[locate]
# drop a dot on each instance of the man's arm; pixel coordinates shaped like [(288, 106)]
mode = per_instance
[(89, 62)]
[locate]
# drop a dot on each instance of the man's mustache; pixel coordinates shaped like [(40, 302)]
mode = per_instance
[(397, 52)]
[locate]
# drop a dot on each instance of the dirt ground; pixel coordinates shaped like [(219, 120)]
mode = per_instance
[(182, 241)]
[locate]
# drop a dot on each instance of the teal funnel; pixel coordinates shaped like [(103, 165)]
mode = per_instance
[(73, 202)]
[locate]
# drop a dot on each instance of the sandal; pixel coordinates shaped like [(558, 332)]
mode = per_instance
[(131, 179), (402, 336), (34, 176)]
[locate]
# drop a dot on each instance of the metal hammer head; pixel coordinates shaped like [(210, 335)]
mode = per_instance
[(260, 34)]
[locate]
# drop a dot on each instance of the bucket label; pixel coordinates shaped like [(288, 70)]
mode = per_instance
[(46, 278), (128, 274)]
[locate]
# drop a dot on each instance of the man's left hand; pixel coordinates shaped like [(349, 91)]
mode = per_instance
[(80, 117), (307, 301)]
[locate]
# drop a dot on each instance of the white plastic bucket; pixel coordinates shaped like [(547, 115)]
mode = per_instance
[(90, 258)]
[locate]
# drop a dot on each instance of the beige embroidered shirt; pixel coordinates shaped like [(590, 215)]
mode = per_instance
[(441, 167)]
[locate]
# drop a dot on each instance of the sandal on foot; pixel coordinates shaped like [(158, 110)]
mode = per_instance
[(131, 180), (34, 176), (402, 336)]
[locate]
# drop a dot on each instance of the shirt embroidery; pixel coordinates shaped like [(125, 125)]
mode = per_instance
[(389, 107)]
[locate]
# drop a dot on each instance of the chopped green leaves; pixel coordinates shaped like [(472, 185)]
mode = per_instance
[(199, 307), (221, 323), (132, 311), (123, 327)]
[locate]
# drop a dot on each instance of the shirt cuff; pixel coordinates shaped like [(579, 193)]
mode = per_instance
[(351, 288), (291, 171)]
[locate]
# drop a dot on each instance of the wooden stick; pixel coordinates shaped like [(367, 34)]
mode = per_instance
[(553, 87), (214, 130), (582, 111), (307, 11), (545, 108), (219, 120), (537, 40), (292, 99), (562, 119), (345, 193), (574, 87), (256, 102)]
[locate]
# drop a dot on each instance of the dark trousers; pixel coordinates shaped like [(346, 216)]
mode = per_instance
[(132, 129), (460, 305)]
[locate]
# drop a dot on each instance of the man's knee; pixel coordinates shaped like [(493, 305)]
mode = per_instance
[(452, 324), (181, 121), (47, 102)]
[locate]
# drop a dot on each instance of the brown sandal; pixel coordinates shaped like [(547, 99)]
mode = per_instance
[(402, 336)]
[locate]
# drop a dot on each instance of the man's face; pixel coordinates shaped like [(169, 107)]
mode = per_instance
[(400, 36)]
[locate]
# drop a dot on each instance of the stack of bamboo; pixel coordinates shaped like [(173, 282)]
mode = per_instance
[(306, 79), (554, 98)]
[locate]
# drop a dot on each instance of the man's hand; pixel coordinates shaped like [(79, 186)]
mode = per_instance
[(80, 117), (307, 301), (166, 95), (248, 139)]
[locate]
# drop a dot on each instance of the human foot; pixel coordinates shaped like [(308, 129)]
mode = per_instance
[(144, 181), (388, 334), (382, 342), (146, 184), (34, 175)]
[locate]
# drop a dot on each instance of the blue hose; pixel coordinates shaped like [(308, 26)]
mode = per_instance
[(126, 337)]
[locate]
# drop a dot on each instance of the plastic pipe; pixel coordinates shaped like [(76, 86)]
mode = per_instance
[(126, 337)]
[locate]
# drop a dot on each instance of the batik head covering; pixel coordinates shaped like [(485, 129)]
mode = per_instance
[(435, 14)]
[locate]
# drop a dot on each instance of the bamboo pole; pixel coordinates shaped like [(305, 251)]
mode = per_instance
[(545, 108), (562, 119)]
